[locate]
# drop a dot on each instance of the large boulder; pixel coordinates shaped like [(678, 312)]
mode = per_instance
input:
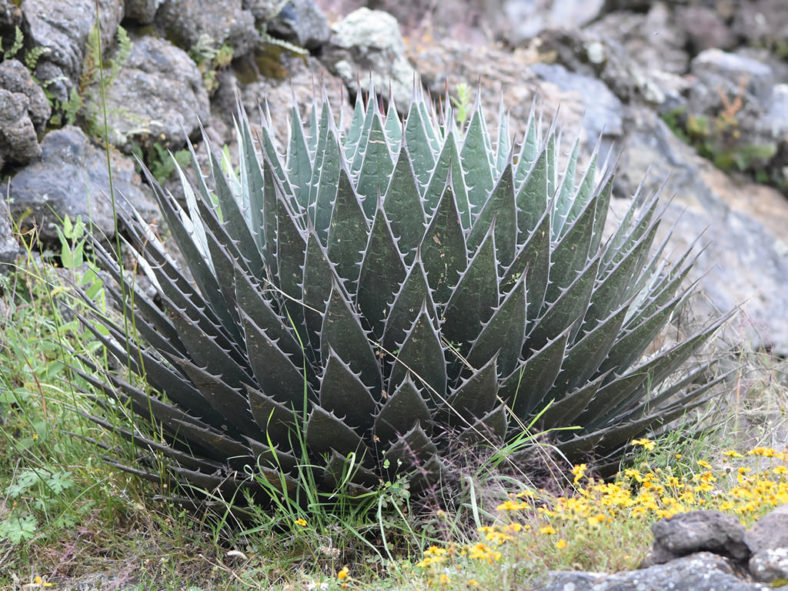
[(63, 29), (71, 179), (300, 22), (18, 141), (367, 43), (158, 96), (142, 11), (15, 77)]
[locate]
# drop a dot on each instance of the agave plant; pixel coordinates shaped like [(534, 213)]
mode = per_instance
[(389, 288)]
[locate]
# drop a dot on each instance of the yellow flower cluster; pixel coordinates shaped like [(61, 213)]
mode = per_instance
[(645, 494)]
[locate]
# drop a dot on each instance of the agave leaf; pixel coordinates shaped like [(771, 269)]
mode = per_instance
[(475, 157), (403, 205), (252, 301), (476, 396), (503, 334), (407, 303), (393, 127), (341, 471), (570, 256), (431, 126), (422, 354), (551, 147), (326, 432), (358, 155), (476, 296), (566, 409), (532, 198), (584, 192), (525, 388), (373, 177), (290, 254), (382, 273), (270, 456), (271, 188), (533, 260), (227, 401), (602, 200), (343, 333), (448, 167), (318, 273), (252, 179), (401, 411), (499, 208), (232, 216), (529, 150), (490, 429), (347, 234), (356, 125), (327, 183), (631, 228), (342, 393), (411, 450), (586, 355), (565, 199), (443, 247), (299, 165), (567, 310), (276, 421), (504, 144), (415, 135)]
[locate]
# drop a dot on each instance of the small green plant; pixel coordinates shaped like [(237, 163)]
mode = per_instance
[(19, 40), (161, 162), (210, 60), (462, 102)]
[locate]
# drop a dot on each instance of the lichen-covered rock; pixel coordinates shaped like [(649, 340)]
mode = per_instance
[(520, 20), (770, 565), (301, 22), (63, 28), (703, 571), (71, 179), (15, 77), (368, 43), (698, 531), (18, 141), (215, 22), (158, 96)]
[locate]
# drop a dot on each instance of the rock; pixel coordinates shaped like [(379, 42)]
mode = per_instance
[(9, 249), (368, 43), (18, 140), (721, 73), (262, 10), (192, 23), (769, 532), (603, 111), (301, 22), (762, 23), (746, 263), (142, 11), (699, 572), (770, 565), (158, 96), (634, 33), (521, 20), (10, 18), (71, 179), (15, 77), (697, 531), (704, 27), (63, 28)]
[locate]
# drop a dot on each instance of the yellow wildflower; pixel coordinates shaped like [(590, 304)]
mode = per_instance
[(343, 574), (646, 444), (561, 544), (547, 530), (301, 522)]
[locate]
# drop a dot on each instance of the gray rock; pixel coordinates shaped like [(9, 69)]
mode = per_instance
[(698, 531), (747, 262), (770, 565), (71, 179), (521, 20), (262, 10), (699, 572), (769, 532), (142, 11), (705, 28), (719, 72), (190, 23), (603, 110), (301, 22), (18, 140), (15, 77), (9, 249), (762, 23), (63, 28), (158, 96), (368, 42)]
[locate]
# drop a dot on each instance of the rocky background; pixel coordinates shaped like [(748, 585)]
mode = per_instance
[(691, 95)]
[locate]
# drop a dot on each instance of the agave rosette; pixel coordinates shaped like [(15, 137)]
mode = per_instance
[(385, 290)]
